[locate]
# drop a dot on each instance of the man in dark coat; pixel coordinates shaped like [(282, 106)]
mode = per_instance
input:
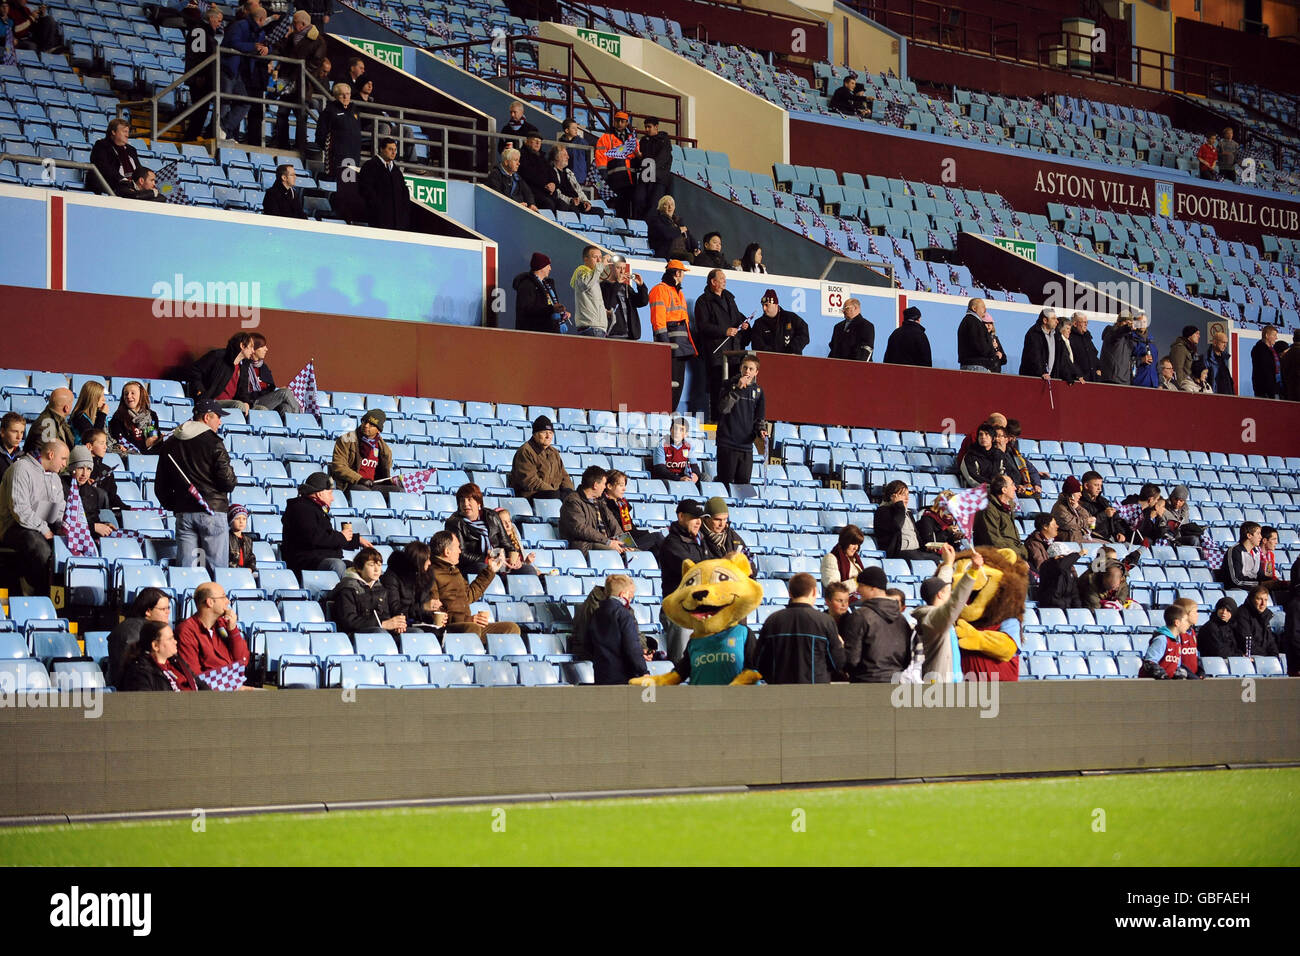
[(622, 301), (284, 198), (537, 305), (1043, 355), (383, 189), (194, 481), (655, 168), (116, 159), (1086, 358), (975, 349), (310, 541), (719, 327), (218, 375), (613, 638), (908, 344), (853, 338), (505, 179), (199, 34), (847, 100), (515, 128), (1266, 366), (536, 172), (799, 644), (583, 517), (778, 330), (303, 42), (877, 638), (682, 542)]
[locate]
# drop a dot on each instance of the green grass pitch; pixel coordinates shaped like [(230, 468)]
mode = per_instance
[(1224, 818)]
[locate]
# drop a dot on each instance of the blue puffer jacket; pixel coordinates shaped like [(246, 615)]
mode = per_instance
[(1145, 376)]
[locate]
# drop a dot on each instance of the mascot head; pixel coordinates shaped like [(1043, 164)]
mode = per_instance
[(714, 595), (1004, 592)]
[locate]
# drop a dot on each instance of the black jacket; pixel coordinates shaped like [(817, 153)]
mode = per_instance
[(714, 314), (662, 232), (518, 133), (658, 150), (846, 101), (975, 344), (731, 542), (113, 165), (799, 645), (615, 643), (121, 427), (1033, 359), (1263, 376), (388, 203), (1216, 638), (929, 530), (358, 608), (473, 559), (1106, 527), (338, 132), (209, 375), (877, 642), (1058, 583), (1230, 571), (583, 522), (887, 528), (909, 345), (535, 171), (309, 538), (282, 201), (853, 339), (709, 259), (533, 310), (1291, 631), (1086, 359), (144, 674), (516, 189), (242, 547), (742, 414), (93, 500), (1254, 638), (678, 546), (407, 589), (266, 380), (784, 332), (198, 452), (626, 320)]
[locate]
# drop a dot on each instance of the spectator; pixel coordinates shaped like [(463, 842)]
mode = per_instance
[(360, 602), (241, 545), (35, 29), (94, 500), (937, 525), (362, 459), (303, 42), (1290, 363), (1040, 539), (583, 518), (1073, 523), (1108, 524), (1005, 461), (1105, 587), (259, 389), (618, 170), (210, 639), (720, 538), (482, 532), (515, 129), (355, 70), (589, 316), (408, 581), (854, 338), (363, 95), (1241, 563), (1182, 356), (1058, 583), (1268, 540), (568, 194), (282, 198), (1166, 380), (752, 260), (12, 427), (537, 470), (383, 189), (101, 474), (1069, 369), (149, 604), (894, 530), (619, 517), (1171, 653), (1029, 479), (31, 511), (667, 235), (1291, 628), (847, 99), (778, 330), (672, 456), (1117, 351), (799, 644), (338, 133), (1155, 526), (1043, 354), (1145, 371), (976, 351), (193, 481), (671, 323), (720, 328), (682, 542), (877, 638), (1227, 147), (936, 656), (457, 593), (1254, 636), (218, 375), (908, 344), (613, 636), (537, 305), (152, 663), (994, 527), (310, 541), (242, 75), (536, 172), (1218, 363), (982, 462), (712, 256), (844, 561), (742, 424), (116, 159), (838, 597), (144, 186), (621, 302), (1266, 366), (90, 411), (1208, 157), (52, 423), (506, 180), (1180, 515), (1084, 349), (1218, 638), (580, 154), (655, 169)]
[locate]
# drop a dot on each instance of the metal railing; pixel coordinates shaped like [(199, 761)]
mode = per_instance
[(543, 10), (1175, 72), (947, 25), (48, 162)]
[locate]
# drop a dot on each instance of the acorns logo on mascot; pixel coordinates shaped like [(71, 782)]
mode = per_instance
[(712, 602), (988, 631)]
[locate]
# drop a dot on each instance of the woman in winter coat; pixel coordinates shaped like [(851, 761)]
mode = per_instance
[(537, 304), (937, 525), (982, 462), (153, 664), (134, 424), (668, 235), (1074, 523), (338, 131), (149, 604), (845, 559), (409, 582)]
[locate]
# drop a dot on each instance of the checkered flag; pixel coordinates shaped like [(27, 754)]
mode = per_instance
[(194, 492), (80, 541), (817, 221), (833, 245), (931, 239), (279, 31), (127, 447), (230, 677), (169, 184), (853, 242), (416, 481), (803, 226), (1130, 513), (732, 194), (964, 505), (1213, 552), (303, 387), (802, 204)]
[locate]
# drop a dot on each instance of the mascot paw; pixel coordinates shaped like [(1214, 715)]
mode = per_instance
[(992, 644), (645, 681), (747, 677)]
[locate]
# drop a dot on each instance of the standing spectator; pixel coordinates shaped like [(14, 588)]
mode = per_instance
[(116, 159), (1227, 147), (210, 638), (655, 169), (409, 583), (90, 411), (338, 133), (1117, 351), (667, 235), (1069, 369), (752, 260), (894, 531), (583, 518), (310, 541), (383, 189), (619, 515), (193, 481), (361, 602), (12, 426), (799, 644), (613, 636), (1208, 157), (995, 527), (1107, 524), (1218, 638), (482, 531), (259, 388), (589, 315), (31, 511), (1290, 363), (303, 42), (844, 561), (854, 338), (457, 594), (362, 459), (1183, 355), (1145, 372), (537, 305), (671, 323), (618, 171), (149, 604), (720, 538), (1028, 478), (712, 256), (908, 344), (241, 545), (720, 328), (1218, 362), (877, 638), (52, 423), (505, 179), (1074, 524), (1043, 351), (1266, 366), (1040, 539), (537, 470), (936, 655), (1084, 349), (742, 424), (1252, 626), (682, 542), (778, 330), (152, 664), (515, 129), (244, 76), (622, 302), (672, 456), (580, 154), (1172, 652), (976, 351), (847, 99), (837, 603), (218, 375), (282, 198)]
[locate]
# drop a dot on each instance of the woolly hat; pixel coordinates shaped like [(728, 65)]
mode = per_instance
[(1189, 331), (80, 458), (1180, 492), (770, 296), (716, 506), (316, 482), (540, 260), (542, 424), (234, 512), (1071, 485), (873, 577), (375, 416)]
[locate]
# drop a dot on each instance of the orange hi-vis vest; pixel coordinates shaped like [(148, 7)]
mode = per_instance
[(670, 320)]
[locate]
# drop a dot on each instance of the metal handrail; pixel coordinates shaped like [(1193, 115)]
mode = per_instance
[(48, 161), (943, 29)]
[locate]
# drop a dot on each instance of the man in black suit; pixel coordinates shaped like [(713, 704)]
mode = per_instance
[(854, 338), (383, 189), (283, 199)]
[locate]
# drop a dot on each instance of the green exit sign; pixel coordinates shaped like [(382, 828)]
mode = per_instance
[(393, 54), (1026, 250), (611, 43), (428, 192)]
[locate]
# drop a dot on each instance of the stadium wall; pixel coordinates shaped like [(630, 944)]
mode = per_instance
[(1255, 59), (748, 27), (328, 747)]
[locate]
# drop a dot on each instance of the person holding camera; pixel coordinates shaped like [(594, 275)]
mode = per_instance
[(742, 424), (1146, 372), (1117, 351), (590, 317), (622, 301)]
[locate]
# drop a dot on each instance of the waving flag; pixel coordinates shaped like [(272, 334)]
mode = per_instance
[(965, 504), (817, 221), (230, 677), (833, 245), (1130, 513), (127, 447), (624, 150), (415, 482), (303, 387), (80, 541), (853, 242)]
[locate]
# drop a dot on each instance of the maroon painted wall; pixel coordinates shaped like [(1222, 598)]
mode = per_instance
[(1254, 59)]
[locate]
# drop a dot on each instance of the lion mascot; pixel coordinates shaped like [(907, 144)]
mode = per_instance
[(712, 602), (988, 632)]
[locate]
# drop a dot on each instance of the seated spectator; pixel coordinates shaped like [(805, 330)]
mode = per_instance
[(1207, 157), (152, 663), (893, 528), (89, 412), (877, 638), (1193, 611), (338, 133), (362, 459), (752, 260), (12, 427), (409, 583), (799, 644), (712, 256), (116, 159), (383, 189), (1058, 583), (720, 537), (1040, 539), (1218, 364), (1254, 636), (310, 542), (1073, 523), (936, 657), (1156, 526), (778, 330), (1268, 542), (1218, 637), (134, 425), (584, 519), (580, 154), (144, 186), (853, 338), (360, 602), (621, 301), (515, 129), (483, 533), (218, 375), (1028, 479), (457, 593), (536, 172), (844, 561), (568, 194), (149, 604), (613, 637), (1004, 460), (848, 99), (537, 305), (1166, 381), (1105, 587), (52, 423), (258, 389), (682, 542), (672, 456), (1241, 562), (95, 503), (505, 179), (537, 470), (210, 639), (982, 461), (667, 235), (283, 198), (936, 525), (31, 512), (995, 527), (35, 29), (101, 474), (241, 544), (589, 315), (1179, 514), (908, 344), (619, 517), (1109, 525), (1171, 653)]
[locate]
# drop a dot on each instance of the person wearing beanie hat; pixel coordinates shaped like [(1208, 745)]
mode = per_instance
[(1183, 356), (877, 637), (935, 654), (537, 304), (854, 338), (720, 538), (310, 541), (908, 344), (1073, 523), (670, 323), (95, 501), (994, 527), (362, 459), (682, 542), (778, 330), (1217, 637), (241, 545), (537, 470)]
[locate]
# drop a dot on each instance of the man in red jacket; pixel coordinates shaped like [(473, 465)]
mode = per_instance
[(1208, 157), (210, 640)]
